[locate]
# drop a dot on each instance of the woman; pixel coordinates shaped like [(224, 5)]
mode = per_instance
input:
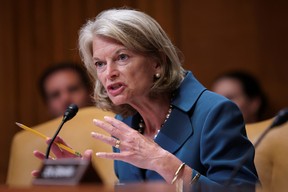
[(168, 126)]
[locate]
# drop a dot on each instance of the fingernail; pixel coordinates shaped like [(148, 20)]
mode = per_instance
[(106, 117), (95, 121)]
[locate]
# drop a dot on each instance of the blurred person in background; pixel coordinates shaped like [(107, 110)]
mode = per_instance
[(245, 90), (63, 84)]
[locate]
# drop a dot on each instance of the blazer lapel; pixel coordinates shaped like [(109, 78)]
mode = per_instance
[(171, 136)]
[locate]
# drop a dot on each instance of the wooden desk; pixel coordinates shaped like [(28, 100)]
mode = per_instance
[(137, 187), (91, 188), (142, 187)]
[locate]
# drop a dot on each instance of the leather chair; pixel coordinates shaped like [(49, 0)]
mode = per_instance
[(271, 156), (255, 129), (75, 132)]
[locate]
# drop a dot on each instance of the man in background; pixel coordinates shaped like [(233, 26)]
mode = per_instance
[(63, 84), (245, 90)]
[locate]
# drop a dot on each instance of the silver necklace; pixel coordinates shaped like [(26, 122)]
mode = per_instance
[(141, 125)]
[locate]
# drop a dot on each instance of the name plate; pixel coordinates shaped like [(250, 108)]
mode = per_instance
[(67, 171)]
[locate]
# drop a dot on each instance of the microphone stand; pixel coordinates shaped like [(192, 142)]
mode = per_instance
[(66, 171), (69, 114), (53, 139)]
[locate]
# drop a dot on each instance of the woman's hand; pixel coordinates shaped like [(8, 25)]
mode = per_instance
[(59, 153), (134, 148)]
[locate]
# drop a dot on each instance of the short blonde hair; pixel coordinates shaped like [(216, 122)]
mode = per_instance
[(140, 33)]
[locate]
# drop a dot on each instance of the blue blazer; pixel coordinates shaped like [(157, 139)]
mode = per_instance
[(204, 130)]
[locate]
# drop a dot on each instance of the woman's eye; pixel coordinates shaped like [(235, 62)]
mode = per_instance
[(99, 64), (123, 57)]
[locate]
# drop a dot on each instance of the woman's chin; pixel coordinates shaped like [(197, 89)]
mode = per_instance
[(118, 102)]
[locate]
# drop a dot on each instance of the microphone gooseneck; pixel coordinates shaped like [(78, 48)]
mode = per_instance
[(70, 112), (280, 119)]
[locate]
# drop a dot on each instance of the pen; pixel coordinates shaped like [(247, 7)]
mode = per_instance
[(45, 137)]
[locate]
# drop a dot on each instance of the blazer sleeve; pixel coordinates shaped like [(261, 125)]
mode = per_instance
[(223, 145)]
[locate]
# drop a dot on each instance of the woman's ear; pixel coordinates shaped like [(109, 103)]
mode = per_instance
[(159, 62), (157, 69)]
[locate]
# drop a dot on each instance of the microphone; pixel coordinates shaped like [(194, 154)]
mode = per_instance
[(280, 119), (69, 114)]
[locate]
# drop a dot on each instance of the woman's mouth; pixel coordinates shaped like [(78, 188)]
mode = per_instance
[(115, 89)]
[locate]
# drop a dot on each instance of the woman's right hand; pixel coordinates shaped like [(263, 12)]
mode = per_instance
[(59, 153)]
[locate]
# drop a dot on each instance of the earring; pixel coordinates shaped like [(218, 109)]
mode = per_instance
[(157, 75)]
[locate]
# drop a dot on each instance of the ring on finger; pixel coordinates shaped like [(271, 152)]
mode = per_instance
[(117, 144)]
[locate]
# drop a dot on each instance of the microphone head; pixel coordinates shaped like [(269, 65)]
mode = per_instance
[(70, 112), (280, 118)]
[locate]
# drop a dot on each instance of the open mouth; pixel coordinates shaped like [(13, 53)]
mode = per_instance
[(115, 89), (115, 86)]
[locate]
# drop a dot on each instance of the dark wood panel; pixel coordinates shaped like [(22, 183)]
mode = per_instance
[(218, 36), (272, 25), (8, 82)]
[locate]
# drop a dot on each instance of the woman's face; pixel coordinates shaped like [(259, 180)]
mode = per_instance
[(126, 76)]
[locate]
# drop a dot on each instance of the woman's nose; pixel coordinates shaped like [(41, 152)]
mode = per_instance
[(111, 71)]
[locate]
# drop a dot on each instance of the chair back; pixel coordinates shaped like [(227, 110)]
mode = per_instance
[(255, 129), (271, 155)]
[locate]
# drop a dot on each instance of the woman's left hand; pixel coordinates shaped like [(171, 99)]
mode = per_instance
[(134, 148), (59, 153)]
